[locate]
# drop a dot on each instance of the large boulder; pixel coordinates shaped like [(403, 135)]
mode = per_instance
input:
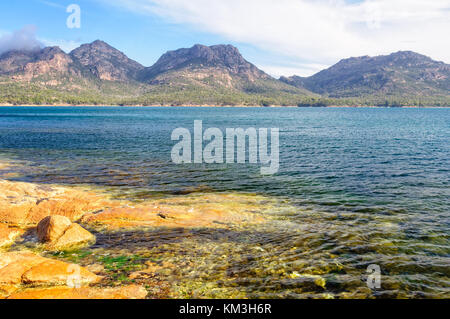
[(59, 233), (51, 228)]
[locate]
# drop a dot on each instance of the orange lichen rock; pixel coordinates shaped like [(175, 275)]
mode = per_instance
[(54, 279), (209, 210), (25, 204), (125, 292), (23, 267), (8, 235)]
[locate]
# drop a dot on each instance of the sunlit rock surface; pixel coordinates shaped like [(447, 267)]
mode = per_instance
[(25, 204), (25, 275), (51, 228), (206, 210), (28, 268), (125, 292), (48, 213)]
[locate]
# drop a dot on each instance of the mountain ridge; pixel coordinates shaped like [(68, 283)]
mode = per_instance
[(97, 73), (403, 73)]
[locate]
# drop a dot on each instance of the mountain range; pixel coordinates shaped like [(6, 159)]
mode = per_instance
[(97, 73)]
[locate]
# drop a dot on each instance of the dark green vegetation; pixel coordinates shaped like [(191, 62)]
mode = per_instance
[(98, 74)]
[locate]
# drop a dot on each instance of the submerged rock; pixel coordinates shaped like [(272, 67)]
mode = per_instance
[(318, 280), (151, 270), (96, 268), (59, 233)]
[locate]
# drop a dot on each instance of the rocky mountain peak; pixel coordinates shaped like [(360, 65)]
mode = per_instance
[(106, 62), (34, 63), (50, 52), (225, 58)]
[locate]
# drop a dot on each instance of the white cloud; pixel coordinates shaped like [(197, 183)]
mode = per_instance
[(321, 32), (23, 39), (26, 39), (289, 70)]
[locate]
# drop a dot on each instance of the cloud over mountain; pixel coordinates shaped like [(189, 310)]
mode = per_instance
[(315, 32), (23, 40)]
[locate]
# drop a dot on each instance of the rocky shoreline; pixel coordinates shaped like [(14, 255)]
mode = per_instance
[(40, 223)]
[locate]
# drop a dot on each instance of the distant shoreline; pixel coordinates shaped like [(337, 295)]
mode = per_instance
[(224, 106)]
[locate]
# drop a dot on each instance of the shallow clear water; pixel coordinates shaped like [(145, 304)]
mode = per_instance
[(356, 186)]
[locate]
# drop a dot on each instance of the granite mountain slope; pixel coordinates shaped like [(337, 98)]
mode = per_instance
[(97, 73), (404, 74)]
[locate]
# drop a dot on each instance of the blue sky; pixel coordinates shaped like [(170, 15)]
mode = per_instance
[(283, 37)]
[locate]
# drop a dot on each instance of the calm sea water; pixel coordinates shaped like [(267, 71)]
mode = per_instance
[(366, 186)]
